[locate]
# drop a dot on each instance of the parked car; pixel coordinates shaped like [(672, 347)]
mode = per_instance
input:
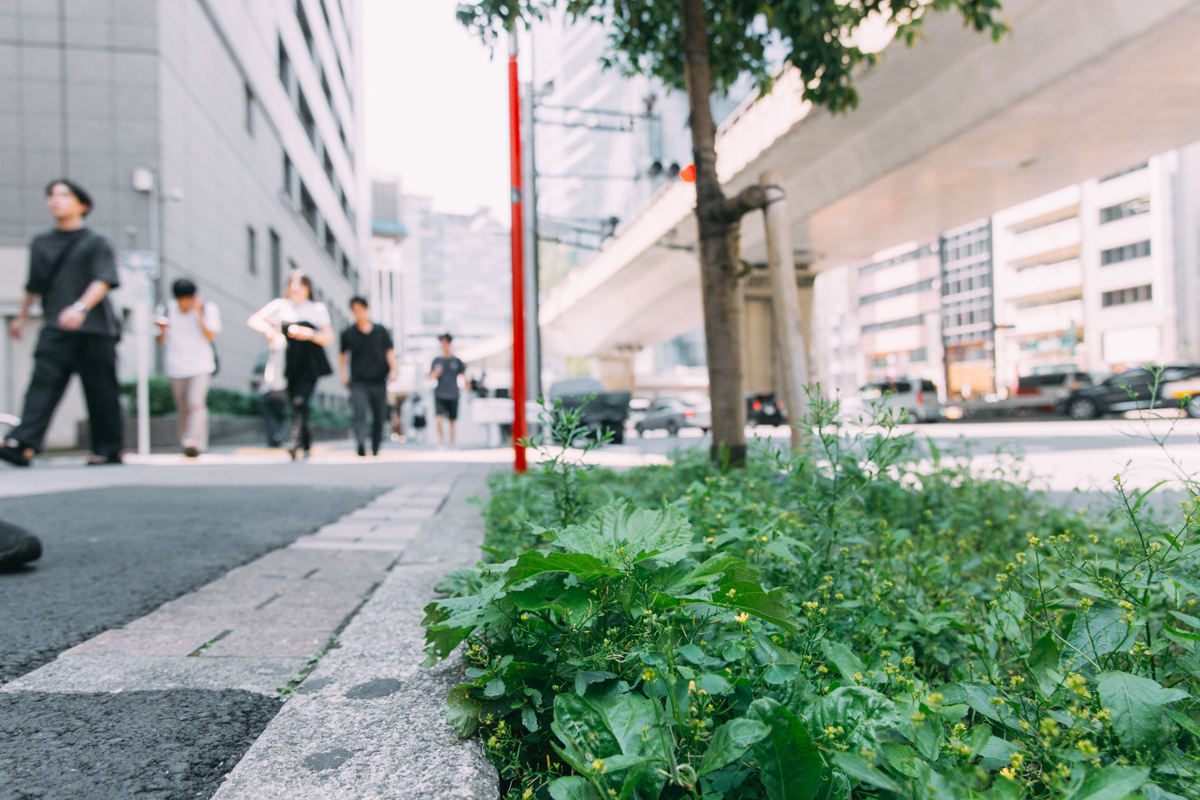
[(917, 399), (1127, 391), (673, 414), (606, 411), (1043, 392), (764, 409)]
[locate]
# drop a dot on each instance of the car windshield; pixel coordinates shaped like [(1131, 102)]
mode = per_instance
[(1130, 376), (874, 390)]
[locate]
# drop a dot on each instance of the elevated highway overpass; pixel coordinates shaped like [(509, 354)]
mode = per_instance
[(945, 133)]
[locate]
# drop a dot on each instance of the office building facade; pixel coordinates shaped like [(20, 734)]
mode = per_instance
[(243, 123)]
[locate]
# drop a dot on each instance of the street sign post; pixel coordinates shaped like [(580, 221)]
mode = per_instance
[(142, 266), (519, 429)]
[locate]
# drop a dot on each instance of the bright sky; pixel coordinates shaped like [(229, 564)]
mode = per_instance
[(436, 105)]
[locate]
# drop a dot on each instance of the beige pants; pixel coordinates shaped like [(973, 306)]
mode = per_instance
[(190, 401)]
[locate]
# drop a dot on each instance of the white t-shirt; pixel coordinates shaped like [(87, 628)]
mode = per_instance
[(282, 312), (186, 352)]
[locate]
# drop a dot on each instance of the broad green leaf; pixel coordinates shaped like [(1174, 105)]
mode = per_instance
[(1181, 634), (748, 596), (584, 727), (789, 764), (1043, 664), (863, 771), (980, 736), (1100, 630), (535, 563), (902, 758), (573, 787), (495, 688), (698, 657), (529, 719), (1112, 783), (620, 534), (843, 658), (462, 711), (1136, 705), (1003, 789), (715, 685), (997, 753), (730, 741), (1185, 722)]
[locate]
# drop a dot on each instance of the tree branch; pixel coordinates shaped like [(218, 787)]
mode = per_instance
[(751, 198)]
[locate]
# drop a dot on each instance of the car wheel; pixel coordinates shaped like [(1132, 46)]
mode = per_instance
[(704, 431), (618, 434), (913, 418), (1192, 409), (639, 430), (1083, 408), (672, 428)]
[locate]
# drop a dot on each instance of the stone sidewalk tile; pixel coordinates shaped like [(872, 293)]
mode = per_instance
[(275, 642), (148, 641), (368, 722), (137, 672)]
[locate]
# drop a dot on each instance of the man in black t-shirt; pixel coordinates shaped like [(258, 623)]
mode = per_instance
[(372, 366), (71, 269)]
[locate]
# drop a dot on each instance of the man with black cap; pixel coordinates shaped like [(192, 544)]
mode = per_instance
[(72, 269)]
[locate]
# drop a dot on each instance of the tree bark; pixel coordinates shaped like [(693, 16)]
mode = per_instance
[(719, 222)]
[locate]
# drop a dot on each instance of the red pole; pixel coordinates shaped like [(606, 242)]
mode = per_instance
[(519, 430)]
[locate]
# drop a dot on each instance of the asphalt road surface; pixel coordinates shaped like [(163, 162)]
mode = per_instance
[(110, 556), (115, 554)]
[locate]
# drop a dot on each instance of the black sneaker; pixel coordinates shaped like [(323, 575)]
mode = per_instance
[(99, 459), (191, 451), (14, 453), (362, 451), (17, 547)]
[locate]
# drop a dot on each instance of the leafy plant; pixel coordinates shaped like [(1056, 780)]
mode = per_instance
[(865, 616)]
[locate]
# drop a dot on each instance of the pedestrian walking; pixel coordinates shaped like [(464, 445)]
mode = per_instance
[(418, 418), (271, 386), (72, 269), (446, 370), (304, 326), (372, 365), (187, 329)]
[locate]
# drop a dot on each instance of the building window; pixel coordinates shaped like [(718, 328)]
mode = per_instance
[(345, 203), (896, 323), (327, 163), (920, 286), (325, 14), (1123, 297), (287, 175), (1129, 208), (306, 119), (330, 244), (248, 110), (1115, 255), (308, 207), (345, 265), (302, 18), (251, 250), (325, 88), (276, 265), (285, 69), (918, 355)]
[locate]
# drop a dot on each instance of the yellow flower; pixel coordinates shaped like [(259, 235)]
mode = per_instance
[(1087, 748), (742, 617)]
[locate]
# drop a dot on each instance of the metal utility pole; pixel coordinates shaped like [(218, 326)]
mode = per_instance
[(517, 234), (785, 305), (533, 331)]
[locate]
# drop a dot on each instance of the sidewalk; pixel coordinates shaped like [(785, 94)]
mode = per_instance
[(366, 722)]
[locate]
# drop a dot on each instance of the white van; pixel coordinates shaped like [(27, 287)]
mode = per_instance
[(916, 397)]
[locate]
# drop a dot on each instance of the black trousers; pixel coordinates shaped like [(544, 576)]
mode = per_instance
[(300, 394), (370, 397), (60, 354)]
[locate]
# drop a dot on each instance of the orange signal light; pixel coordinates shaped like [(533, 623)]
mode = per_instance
[(688, 174)]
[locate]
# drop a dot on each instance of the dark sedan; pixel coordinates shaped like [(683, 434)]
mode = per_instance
[(1126, 391)]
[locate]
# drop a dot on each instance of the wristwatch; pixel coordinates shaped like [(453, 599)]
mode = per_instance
[(80, 307)]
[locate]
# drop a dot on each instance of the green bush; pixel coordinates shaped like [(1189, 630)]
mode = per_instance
[(848, 620)]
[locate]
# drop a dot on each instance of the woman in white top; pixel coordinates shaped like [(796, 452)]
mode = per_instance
[(186, 330), (305, 327)]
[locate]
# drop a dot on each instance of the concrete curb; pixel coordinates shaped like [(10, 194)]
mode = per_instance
[(368, 722)]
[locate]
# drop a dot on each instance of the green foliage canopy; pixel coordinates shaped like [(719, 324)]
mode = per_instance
[(646, 36)]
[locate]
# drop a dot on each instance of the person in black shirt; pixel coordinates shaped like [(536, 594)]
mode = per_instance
[(372, 366), (446, 370), (72, 269)]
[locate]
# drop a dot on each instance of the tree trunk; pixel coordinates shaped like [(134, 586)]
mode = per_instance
[(720, 264)]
